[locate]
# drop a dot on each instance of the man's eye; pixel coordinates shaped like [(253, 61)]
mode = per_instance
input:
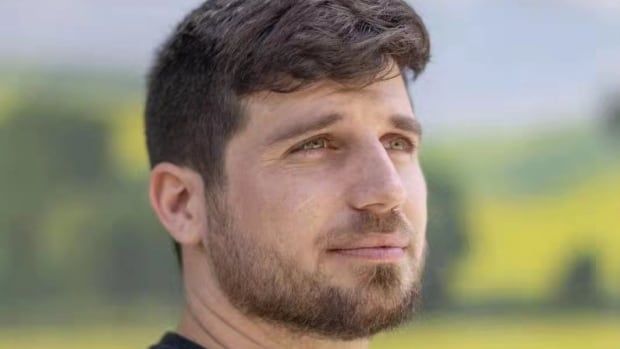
[(400, 144), (317, 143)]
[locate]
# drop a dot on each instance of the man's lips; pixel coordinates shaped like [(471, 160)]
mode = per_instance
[(375, 247), (375, 253), (374, 240)]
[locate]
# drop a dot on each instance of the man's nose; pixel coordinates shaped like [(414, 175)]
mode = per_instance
[(376, 184)]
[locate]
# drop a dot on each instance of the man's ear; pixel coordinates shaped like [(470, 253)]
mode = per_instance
[(177, 197)]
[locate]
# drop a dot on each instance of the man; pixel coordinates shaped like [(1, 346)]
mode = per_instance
[(284, 153)]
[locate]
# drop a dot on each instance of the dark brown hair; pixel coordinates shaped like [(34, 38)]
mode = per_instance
[(227, 49)]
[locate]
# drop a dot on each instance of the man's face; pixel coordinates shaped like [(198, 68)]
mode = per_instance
[(321, 224)]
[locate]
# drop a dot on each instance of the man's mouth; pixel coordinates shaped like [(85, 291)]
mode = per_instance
[(375, 247), (382, 253)]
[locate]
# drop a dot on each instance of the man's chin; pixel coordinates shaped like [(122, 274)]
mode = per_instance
[(385, 278), (377, 308), (379, 288)]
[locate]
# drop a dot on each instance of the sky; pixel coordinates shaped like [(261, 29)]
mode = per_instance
[(495, 64)]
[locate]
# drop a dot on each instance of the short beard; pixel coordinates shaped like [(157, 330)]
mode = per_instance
[(262, 283)]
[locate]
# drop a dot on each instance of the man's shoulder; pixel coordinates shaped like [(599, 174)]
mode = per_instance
[(171, 340)]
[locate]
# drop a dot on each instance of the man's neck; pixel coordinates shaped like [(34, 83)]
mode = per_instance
[(211, 321)]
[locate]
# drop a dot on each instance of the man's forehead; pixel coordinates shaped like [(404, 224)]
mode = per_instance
[(330, 96)]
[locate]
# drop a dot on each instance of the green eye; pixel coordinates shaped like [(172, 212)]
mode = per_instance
[(317, 143), (399, 144)]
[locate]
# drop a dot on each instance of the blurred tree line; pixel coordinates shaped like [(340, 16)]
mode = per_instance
[(612, 117), (73, 230)]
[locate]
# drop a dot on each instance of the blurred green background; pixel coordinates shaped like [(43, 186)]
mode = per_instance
[(522, 156)]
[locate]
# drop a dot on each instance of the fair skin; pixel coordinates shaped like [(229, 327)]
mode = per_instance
[(292, 194)]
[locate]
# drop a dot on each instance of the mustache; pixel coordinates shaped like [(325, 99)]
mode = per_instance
[(365, 222)]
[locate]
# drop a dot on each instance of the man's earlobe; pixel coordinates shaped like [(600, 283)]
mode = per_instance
[(177, 197)]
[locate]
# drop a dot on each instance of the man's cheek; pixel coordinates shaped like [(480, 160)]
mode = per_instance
[(300, 221)]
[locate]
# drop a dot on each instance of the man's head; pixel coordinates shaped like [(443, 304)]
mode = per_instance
[(284, 153)]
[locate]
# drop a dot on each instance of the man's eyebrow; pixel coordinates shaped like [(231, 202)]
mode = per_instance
[(407, 123), (303, 128), (399, 121)]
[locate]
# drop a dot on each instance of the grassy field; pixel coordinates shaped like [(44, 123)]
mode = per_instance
[(527, 332), (548, 332)]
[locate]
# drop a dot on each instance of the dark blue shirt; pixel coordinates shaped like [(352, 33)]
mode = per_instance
[(171, 340)]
